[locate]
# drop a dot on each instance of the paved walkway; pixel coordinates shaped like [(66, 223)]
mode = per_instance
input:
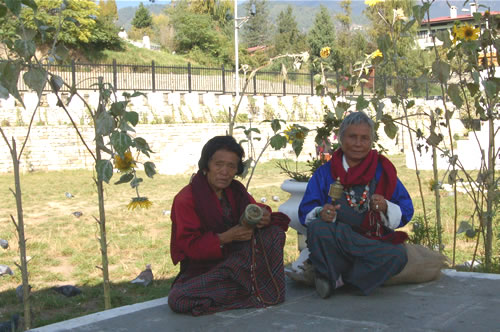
[(459, 301)]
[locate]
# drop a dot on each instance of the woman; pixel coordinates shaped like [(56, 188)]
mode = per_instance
[(225, 264), (353, 240)]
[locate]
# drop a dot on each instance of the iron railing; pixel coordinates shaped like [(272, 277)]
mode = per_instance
[(221, 80)]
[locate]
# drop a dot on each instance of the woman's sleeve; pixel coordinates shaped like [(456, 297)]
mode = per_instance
[(189, 239), (402, 198)]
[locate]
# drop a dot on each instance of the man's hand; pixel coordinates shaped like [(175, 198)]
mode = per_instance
[(329, 212), (378, 203)]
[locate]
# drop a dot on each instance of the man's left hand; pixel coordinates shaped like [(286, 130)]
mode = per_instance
[(378, 203)]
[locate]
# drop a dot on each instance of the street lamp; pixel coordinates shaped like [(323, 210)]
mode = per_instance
[(238, 22)]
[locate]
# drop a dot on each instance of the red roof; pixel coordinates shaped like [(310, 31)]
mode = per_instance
[(444, 19)]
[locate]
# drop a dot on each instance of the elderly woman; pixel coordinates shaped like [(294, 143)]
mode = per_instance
[(352, 240), (225, 263)]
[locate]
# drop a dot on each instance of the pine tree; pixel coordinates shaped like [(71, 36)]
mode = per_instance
[(257, 30), (288, 38), (322, 34), (142, 18)]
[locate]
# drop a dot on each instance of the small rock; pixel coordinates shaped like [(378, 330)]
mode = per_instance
[(4, 243), (69, 195), (263, 200), (276, 198), (165, 212)]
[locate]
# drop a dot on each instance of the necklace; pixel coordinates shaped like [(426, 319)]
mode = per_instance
[(350, 196)]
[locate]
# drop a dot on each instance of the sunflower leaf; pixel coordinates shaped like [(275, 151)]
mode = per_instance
[(104, 170), (150, 169), (135, 182), (125, 178), (121, 142)]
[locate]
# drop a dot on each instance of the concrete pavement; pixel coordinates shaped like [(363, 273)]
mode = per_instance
[(458, 301)]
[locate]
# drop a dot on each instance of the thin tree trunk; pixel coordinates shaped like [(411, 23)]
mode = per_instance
[(22, 240)]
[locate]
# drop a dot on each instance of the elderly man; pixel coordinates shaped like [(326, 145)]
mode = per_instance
[(352, 240)]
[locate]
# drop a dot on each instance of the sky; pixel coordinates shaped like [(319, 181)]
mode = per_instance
[(132, 3)]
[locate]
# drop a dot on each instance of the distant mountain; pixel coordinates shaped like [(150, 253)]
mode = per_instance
[(304, 10)]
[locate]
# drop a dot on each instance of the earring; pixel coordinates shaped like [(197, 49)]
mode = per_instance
[(204, 172)]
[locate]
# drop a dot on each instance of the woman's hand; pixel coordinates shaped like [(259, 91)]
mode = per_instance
[(266, 219), (329, 212), (378, 203), (236, 233)]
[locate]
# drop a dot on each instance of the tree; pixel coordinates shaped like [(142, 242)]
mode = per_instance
[(351, 46), (197, 33), (322, 34), (76, 28), (142, 18), (108, 10), (257, 30), (288, 38), (406, 52), (345, 17)]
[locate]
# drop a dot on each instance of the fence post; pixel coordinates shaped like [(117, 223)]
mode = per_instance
[(311, 75), (427, 89), (255, 84), (223, 80), (385, 85), (337, 81), (73, 73), (115, 78), (189, 77), (284, 87), (153, 82)]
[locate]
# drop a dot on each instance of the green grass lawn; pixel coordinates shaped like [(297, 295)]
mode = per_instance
[(64, 249)]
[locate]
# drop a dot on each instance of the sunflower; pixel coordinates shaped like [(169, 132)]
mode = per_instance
[(469, 33), (376, 54), (455, 33), (141, 202), (325, 52), (294, 132), (125, 164), (372, 3)]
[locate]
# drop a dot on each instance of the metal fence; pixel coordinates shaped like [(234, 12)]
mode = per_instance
[(221, 80)]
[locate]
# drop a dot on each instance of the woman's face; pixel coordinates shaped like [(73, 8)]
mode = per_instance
[(356, 143), (222, 168)]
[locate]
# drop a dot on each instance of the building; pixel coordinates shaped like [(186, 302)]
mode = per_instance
[(445, 23)]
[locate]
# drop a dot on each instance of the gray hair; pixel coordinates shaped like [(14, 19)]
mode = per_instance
[(355, 118)]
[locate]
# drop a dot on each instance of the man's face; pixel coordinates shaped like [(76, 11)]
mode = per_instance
[(356, 143)]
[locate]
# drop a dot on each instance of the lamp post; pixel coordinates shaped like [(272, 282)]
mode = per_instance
[(238, 22)]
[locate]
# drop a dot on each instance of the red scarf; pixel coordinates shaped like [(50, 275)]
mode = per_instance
[(361, 174), (208, 207)]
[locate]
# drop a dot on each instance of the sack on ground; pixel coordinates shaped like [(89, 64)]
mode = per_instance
[(423, 265)]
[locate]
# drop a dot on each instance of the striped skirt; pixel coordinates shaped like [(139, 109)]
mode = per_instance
[(337, 250), (232, 283)]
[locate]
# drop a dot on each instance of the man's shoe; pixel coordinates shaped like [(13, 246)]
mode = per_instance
[(323, 287)]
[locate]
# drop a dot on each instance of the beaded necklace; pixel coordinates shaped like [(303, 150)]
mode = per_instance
[(350, 196)]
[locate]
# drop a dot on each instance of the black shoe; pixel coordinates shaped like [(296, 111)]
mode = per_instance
[(323, 287)]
